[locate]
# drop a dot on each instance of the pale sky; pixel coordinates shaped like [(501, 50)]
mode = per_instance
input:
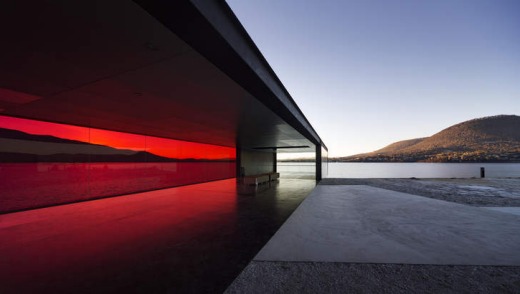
[(368, 73)]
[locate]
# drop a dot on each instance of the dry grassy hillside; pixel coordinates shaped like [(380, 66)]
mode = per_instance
[(494, 138)]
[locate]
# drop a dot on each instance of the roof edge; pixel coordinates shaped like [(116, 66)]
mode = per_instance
[(212, 29)]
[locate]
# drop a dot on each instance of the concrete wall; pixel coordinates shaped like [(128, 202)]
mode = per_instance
[(257, 162)]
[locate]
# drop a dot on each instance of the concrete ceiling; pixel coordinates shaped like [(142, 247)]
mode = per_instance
[(111, 65)]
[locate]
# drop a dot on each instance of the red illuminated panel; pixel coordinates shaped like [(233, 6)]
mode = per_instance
[(117, 139), (159, 146), (185, 150)]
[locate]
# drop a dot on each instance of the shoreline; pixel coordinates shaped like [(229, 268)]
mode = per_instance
[(480, 192)]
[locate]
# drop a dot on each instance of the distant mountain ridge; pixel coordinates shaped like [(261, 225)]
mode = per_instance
[(487, 139), (17, 147), (19, 135)]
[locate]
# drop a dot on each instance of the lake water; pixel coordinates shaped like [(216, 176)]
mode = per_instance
[(403, 170)]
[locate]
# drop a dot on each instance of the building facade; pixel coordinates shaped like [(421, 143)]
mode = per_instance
[(104, 98)]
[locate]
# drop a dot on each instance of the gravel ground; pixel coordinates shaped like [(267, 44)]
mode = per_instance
[(320, 277), (495, 192)]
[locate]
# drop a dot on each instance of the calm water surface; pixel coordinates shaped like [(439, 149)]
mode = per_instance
[(405, 170)]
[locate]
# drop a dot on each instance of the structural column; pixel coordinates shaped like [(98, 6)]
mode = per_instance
[(274, 160), (238, 160), (318, 162)]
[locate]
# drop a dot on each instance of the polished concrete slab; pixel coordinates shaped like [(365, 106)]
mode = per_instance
[(190, 239), (363, 224)]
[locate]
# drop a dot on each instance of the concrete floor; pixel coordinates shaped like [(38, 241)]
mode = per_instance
[(191, 239), (364, 224), (362, 239)]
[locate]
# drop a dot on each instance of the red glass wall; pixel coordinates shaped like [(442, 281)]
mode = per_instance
[(44, 164)]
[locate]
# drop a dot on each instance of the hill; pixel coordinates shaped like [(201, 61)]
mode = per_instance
[(400, 145), (17, 147), (487, 139), (19, 135)]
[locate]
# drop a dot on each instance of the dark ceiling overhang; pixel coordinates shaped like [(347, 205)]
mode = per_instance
[(176, 69)]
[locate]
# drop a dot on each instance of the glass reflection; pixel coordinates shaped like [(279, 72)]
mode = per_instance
[(44, 163)]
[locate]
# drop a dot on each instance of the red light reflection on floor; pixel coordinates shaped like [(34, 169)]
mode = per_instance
[(122, 240)]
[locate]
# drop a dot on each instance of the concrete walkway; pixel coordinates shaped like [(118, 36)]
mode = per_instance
[(362, 239), (364, 224)]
